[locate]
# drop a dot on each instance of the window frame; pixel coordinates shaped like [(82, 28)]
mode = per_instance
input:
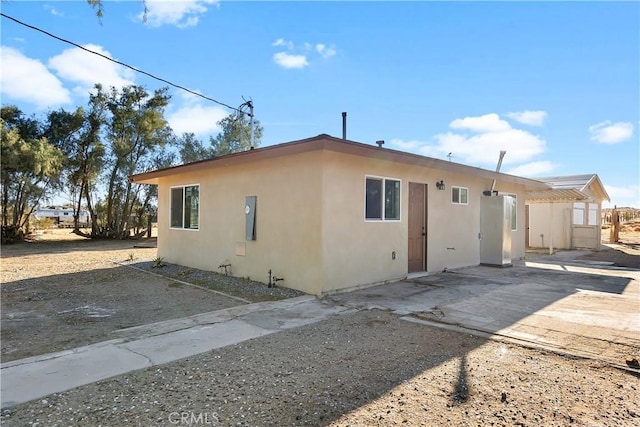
[(183, 206), (458, 187), (583, 209), (383, 205), (514, 212)]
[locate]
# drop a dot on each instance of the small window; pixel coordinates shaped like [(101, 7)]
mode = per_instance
[(593, 214), (382, 199), (185, 207), (578, 213), (514, 212), (459, 195)]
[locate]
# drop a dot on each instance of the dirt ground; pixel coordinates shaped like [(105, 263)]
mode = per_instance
[(62, 292), (364, 369)]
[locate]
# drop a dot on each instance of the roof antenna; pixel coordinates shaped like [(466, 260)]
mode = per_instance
[(249, 105), (449, 156)]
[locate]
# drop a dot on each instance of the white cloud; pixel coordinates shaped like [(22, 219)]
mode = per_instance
[(611, 133), (288, 60), (198, 119), (53, 11), (531, 118), (181, 13), (324, 51), (193, 117), (533, 169), (299, 57), (28, 80), (283, 42), (406, 145), (487, 135), (484, 148), (628, 196), (85, 69), (487, 123)]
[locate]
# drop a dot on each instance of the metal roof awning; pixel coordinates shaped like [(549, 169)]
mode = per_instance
[(558, 195)]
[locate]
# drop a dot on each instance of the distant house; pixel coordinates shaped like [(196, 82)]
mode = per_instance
[(62, 217), (328, 214), (567, 216)]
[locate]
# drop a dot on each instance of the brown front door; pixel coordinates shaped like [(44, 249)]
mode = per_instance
[(417, 252)]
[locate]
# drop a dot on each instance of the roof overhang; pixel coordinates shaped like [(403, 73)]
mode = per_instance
[(557, 195), (329, 143)]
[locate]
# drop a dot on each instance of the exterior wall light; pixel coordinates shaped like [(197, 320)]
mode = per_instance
[(440, 185)]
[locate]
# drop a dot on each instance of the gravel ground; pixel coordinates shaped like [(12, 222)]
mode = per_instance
[(364, 369), (247, 289)]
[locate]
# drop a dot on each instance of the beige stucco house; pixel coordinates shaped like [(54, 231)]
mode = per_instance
[(568, 216), (328, 214)]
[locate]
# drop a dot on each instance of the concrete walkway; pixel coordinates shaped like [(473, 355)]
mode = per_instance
[(588, 309), (149, 345)]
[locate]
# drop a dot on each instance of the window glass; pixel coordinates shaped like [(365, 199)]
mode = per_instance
[(373, 199), (593, 214), (459, 195), (392, 199), (191, 205), (185, 207), (514, 212), (578, 213), (176, 207), (382, 199)]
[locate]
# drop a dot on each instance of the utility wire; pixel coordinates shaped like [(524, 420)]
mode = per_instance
[(121, 63)]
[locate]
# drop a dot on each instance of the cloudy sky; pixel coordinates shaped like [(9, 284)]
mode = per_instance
[(556, 85)]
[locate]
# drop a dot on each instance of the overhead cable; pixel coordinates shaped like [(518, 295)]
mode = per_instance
[(121, 63)]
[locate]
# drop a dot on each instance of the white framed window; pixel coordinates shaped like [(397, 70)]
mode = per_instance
[(579, 213), (185, 207), (514, 212), (593, 214), (459, 195), (382, 199)]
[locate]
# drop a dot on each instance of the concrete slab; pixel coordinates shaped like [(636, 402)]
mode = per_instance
[(154, 344), (556, 302)]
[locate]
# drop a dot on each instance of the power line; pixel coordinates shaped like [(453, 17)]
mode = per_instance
[(121, 63)]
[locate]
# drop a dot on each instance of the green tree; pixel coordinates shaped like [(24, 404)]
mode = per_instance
[(77, 134), (192, 149), (29, 166), (135, 131), (235, 135)]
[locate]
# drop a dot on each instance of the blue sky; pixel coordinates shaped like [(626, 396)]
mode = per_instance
[(556, 85)]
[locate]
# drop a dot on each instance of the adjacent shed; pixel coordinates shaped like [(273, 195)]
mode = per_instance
[(567, 216)]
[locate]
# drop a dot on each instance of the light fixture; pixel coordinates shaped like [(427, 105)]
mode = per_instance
[(440, 185)]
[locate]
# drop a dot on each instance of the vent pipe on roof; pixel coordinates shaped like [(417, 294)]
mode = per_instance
[(380, 142), (344, 125), (493, 184)]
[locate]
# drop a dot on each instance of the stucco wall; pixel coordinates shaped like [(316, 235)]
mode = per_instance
[(310, 221), (288, 221), (358, 252), (541, 229)]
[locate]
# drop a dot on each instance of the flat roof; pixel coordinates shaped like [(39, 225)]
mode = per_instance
[(330, 143)]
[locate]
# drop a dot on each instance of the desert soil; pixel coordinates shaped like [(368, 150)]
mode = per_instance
[(60, 292), (368, 368)]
